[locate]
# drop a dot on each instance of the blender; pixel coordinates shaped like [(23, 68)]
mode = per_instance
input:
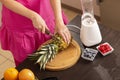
[(90, 34)]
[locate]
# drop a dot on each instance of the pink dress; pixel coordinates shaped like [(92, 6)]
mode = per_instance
[(17, 33)]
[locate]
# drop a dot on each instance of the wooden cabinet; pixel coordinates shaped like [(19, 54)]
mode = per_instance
[(77, 4), (110, 13), (72, 3)]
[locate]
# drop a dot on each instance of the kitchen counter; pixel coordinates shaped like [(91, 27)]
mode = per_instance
[(102, 68)]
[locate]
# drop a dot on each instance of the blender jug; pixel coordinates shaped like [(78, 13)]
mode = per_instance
[(89, 34)]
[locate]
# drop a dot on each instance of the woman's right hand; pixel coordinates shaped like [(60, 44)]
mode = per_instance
[(18, 8), (39, 23)]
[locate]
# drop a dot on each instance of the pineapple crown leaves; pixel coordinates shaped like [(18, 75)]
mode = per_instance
[(45, 54)]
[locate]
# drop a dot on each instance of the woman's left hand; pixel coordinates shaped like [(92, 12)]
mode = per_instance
[(64, 32)]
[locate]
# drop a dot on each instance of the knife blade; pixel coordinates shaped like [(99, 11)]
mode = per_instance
[(48, 32)]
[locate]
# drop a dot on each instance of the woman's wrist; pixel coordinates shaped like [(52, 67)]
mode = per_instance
[(60, 26), (59, 21), (32, 15)]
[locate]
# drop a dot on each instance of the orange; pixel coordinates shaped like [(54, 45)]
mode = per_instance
[(26, 74), (11, 74)]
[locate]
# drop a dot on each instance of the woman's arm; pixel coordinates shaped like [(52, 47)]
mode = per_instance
[(60, 26), (56, 5), (18, 8)]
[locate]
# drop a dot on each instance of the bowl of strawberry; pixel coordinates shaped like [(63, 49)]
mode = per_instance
[(105, 48)]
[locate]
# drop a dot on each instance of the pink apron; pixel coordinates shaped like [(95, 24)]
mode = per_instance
[(17, 33)]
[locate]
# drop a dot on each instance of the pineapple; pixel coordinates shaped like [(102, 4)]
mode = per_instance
[(48, 51), (58, 40)]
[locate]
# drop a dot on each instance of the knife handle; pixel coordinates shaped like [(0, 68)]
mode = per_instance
[(47, 31)]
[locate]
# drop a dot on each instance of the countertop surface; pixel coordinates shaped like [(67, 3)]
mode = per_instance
[(102, 68)]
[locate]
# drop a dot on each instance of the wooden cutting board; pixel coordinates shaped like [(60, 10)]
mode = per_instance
[(66, 58)]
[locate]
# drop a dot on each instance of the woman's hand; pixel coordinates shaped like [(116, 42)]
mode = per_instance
[(39, 23), (60, 26), (64, 32)]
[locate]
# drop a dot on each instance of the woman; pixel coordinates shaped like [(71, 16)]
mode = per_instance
[(24, 23)]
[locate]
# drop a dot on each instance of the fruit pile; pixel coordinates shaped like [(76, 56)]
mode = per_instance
[(48, 51), (14, 74), (105, 48)]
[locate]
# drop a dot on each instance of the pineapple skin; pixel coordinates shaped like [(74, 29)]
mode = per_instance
[(59, 41)]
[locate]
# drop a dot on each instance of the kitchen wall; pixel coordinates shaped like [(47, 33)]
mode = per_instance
[(77, 4), (110, 13), (72, 3)]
